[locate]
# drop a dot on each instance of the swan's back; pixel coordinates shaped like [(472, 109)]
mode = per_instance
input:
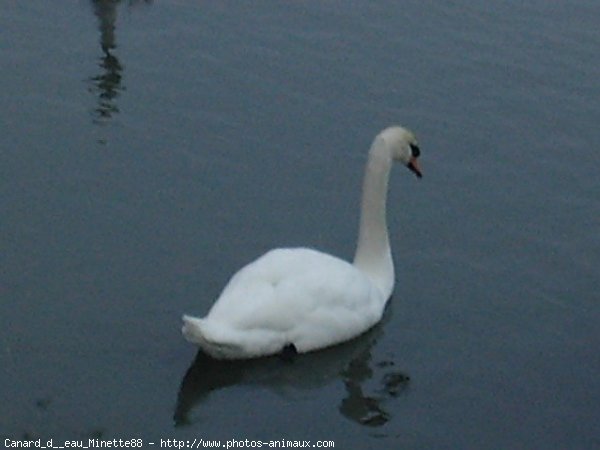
[(288, 296)]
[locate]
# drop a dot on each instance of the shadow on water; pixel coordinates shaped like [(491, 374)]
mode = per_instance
[(351, 362), (107, 85)]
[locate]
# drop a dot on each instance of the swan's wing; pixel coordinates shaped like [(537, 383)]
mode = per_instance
[(308, 298)]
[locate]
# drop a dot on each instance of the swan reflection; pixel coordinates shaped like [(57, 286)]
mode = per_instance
[(352, 363), (364, 409)]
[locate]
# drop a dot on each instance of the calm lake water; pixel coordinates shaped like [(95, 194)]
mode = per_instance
[(150, 149)]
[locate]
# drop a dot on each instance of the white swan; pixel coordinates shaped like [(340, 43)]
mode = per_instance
[(300, 299)]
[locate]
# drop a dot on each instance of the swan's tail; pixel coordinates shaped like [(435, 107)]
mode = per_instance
[(210, 338), (192, 330)]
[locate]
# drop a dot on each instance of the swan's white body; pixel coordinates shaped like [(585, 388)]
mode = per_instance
[(306, 298)]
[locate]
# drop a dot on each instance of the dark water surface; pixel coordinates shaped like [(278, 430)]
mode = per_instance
[(149, 149)]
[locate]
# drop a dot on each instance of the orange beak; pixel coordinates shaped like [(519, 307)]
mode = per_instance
[(413, 165)]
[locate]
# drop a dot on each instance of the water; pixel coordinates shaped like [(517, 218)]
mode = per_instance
[(149, 149)]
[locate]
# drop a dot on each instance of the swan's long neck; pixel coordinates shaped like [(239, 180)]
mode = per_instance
[(373, 254)]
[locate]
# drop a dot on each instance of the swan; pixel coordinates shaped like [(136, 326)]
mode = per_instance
[(300, 299)]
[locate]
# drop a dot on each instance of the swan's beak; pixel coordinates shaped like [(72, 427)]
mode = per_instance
[(413, 165)]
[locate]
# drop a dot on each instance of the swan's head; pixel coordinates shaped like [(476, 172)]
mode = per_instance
[(404, 147)]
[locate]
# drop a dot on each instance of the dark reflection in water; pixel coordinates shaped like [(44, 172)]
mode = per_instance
[(350, 362), (107, 85), (364, 409)]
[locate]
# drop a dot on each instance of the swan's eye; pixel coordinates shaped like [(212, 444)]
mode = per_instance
[(416, 151)]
